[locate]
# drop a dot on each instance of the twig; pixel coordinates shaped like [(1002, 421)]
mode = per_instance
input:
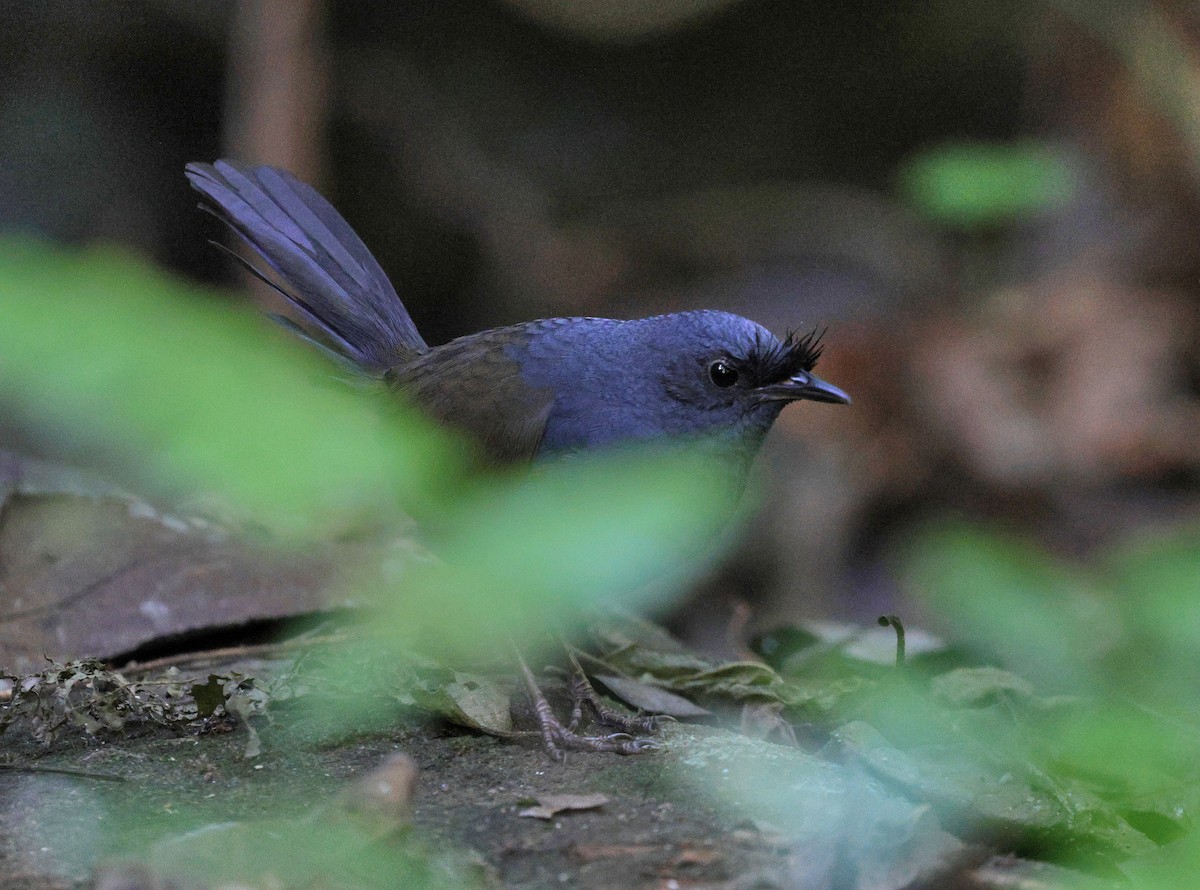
[(257, 649), (62, 771), (894, 622)]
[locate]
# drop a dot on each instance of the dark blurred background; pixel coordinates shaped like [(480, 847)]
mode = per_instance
[(993, 208)]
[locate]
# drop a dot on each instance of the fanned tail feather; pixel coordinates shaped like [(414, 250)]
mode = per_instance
[(343, 298)]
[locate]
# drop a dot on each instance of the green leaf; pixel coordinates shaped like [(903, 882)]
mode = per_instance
[(968, 185), (209, 695), (1157, 583), (973, 687), (114, 355), (1007, 799), (1046, 620)]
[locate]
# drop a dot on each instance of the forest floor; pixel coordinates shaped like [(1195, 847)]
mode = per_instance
[(151, 807), (193, 805)]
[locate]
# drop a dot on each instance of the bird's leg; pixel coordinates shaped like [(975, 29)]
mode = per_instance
[(558, 739), (583, 693)]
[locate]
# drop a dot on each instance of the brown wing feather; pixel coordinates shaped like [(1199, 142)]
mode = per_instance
[(472, 386)]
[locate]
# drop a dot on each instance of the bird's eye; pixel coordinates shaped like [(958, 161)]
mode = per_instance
[(722, 374)]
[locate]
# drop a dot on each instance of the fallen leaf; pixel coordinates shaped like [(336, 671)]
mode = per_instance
[(697, 856), (209, 695), (600, 852), (550, 805), (93, 572), (651, 699), (466, 699)]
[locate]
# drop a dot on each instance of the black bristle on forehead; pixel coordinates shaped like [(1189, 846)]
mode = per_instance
[(778, 360)]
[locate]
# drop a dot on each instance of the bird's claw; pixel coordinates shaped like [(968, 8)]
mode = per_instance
[(558, 739), (636, 724), (644, 746), (584, 695)]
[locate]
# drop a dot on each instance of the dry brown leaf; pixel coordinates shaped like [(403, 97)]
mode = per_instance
[(550, 805), (89, 571)]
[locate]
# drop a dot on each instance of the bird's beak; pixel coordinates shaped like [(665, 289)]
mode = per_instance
[(804, 386)]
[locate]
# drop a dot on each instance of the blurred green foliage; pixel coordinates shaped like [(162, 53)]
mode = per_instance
[(1128, 625), (116, 357), (1010, 600), (1119, 641), (1082, 748), (975, 185)]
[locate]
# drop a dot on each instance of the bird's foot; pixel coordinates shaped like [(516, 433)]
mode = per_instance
[(558, 739), (583, 695)]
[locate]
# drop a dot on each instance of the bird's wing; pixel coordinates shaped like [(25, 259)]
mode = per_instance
[(474, 385), (330, 276)]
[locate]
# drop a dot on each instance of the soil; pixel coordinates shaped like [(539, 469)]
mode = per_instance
[(140, 791)]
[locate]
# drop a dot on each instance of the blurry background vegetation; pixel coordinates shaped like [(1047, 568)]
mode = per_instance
[(992, 206)]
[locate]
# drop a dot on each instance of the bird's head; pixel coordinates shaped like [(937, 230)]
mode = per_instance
[(727, 372), (702, 374)]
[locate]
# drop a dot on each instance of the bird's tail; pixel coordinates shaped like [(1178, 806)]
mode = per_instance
[(346, 304)]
